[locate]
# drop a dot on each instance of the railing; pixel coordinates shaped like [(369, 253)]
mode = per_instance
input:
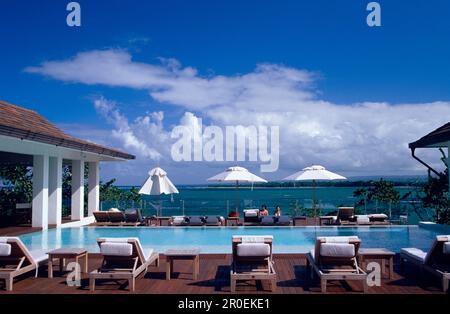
[(401, 212)]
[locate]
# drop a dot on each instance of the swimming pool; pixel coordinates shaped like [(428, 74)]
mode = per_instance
[(218, 240)]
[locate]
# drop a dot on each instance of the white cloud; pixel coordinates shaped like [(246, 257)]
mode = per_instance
[(362, 138), (133, 136)]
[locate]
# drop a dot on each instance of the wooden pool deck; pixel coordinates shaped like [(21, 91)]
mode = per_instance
[(214, 278)]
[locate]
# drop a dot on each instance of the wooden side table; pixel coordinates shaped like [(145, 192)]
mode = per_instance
[(66, 253), (159, 220), (300, 221), (192, 254), (327, 220), (377, 254)]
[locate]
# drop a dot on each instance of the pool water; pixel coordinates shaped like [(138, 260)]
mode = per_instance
[(218, 240)]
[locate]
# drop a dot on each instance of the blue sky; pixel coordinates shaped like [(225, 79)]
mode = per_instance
[(403, 62)]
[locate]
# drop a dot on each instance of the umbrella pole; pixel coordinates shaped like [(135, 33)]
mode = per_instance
[(237, 198), (314, 202)]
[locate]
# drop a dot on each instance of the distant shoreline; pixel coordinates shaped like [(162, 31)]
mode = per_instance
[(247, 187)]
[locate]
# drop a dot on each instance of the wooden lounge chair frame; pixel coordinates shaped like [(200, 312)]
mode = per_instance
[(116, 218), (113, 268), (101, 218), (252, 268), (17, 263), (329, 268), (343, 215), (133, 222), (436, 262)]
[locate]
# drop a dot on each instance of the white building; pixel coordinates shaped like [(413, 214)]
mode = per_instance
[(27, 137)]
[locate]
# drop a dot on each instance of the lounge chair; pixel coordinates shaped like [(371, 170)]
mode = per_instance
[(101, 218), (178, 221), (16, 260), (116, 218), (251, 215), (196, 221), (133, 217), (328, 220), (283, 220), (335, 258), (435, 262), (345, 215), (123, 258), (267, 221), (252, 260), (213, 221)]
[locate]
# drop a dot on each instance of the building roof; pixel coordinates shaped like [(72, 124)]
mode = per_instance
[(28, 125), (438, 138)]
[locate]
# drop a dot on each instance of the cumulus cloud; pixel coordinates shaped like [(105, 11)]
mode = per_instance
[(133, 136), (361, 138)]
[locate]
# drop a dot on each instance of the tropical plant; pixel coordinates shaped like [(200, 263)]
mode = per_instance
[(17, 187), (434, 195), (381, 191)]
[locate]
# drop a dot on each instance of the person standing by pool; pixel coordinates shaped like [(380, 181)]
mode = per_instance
[(264, 211), (277, 212)]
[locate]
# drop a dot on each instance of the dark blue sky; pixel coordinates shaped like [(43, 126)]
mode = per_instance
[(406, 60)]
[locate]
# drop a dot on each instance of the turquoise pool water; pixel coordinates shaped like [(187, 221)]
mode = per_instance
[(218, 240)]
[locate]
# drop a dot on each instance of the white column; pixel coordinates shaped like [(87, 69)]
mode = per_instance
[(77, 211), (40, 192), (55, 191), (94, 188)]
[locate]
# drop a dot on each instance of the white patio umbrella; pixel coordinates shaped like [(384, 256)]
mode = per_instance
[(314, 174), (158, 183), (236, 174)]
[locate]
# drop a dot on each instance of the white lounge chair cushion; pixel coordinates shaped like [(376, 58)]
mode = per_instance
[(253, 239), (338, 239), (253, 250), (446, 248), (178, 220), (362, 219), (378, 216), (414, 253), (443, 237), (116, 249), (337, 250), (39, 256), (148, 253), (251, 212), (313, 253), (5, 249), (114, 210)]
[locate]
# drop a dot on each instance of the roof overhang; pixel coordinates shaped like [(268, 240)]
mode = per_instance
[(436, 139), (27, 147), (67, 143)]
